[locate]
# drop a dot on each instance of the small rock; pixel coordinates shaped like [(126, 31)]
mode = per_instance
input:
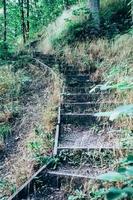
[(17, 138)]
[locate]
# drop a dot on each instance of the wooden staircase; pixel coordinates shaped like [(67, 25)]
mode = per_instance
[(86, 145)]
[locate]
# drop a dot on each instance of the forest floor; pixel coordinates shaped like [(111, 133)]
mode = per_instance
[(37, 104)]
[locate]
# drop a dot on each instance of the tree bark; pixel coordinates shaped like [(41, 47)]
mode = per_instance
[(132, 11), (94, 6), (66, 4), (28, 22), (23, 26), (5, 20)]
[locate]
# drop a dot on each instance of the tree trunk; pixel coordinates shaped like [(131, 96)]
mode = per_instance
[(94, 6), (66, 4), (28, 22), (5, 22), (132, 11), (23, 27)]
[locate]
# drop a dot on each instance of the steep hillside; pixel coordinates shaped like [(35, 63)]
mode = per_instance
[(67, 103)]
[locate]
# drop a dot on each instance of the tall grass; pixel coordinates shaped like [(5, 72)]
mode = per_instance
[(61, 26), (109, 60), (76, 24)]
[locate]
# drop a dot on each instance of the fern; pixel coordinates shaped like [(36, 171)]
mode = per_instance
[(123, 175), (119, 86), (124, 110)]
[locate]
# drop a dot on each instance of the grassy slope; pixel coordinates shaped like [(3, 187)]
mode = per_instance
[(113, 62), (29, 100), (110, 57), (109, 54)]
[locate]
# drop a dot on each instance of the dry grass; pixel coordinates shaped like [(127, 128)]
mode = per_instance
[(60, 25), (102, 53), (9, 80), (112, 62), (10, 84), (39, 110), (50, 112)]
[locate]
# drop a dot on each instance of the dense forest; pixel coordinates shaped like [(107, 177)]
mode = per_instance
[(22, 21), (66, 99)]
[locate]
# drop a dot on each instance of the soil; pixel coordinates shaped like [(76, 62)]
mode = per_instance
[(48, 193), (95, 137), (32, 97)]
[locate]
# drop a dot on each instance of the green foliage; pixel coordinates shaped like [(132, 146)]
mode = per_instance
[(124, 175), (79, 195), (5, 185), (126, 140), (125, 110), (115, 16), (39, 146), (42, 12), (111, 176), (116, 194), (4, 53), (121, 86), (10, 82), (5, 129)]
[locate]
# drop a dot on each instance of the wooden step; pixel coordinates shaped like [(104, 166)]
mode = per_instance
[(77, 77), (77, 89), (83, 119), (69, 68), (102, 136), (91, 103), (87, 163), (73, 71), (66, 185), (61, 148), (74, 169), (67, 174), (79, 97), (46, 186), (80, 83), (87, 107)]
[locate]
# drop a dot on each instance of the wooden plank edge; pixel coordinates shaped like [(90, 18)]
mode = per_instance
[(26, 185), (57, 131)]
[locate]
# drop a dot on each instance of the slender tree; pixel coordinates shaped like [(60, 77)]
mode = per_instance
[(132, 10), (23, 26), (28, 22), (66, 4), (94, 6), (5, 19)]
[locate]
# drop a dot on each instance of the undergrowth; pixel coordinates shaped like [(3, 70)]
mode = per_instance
[(108, 55), (111, 63), (113, 185), (30, 97), (29, 101)]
